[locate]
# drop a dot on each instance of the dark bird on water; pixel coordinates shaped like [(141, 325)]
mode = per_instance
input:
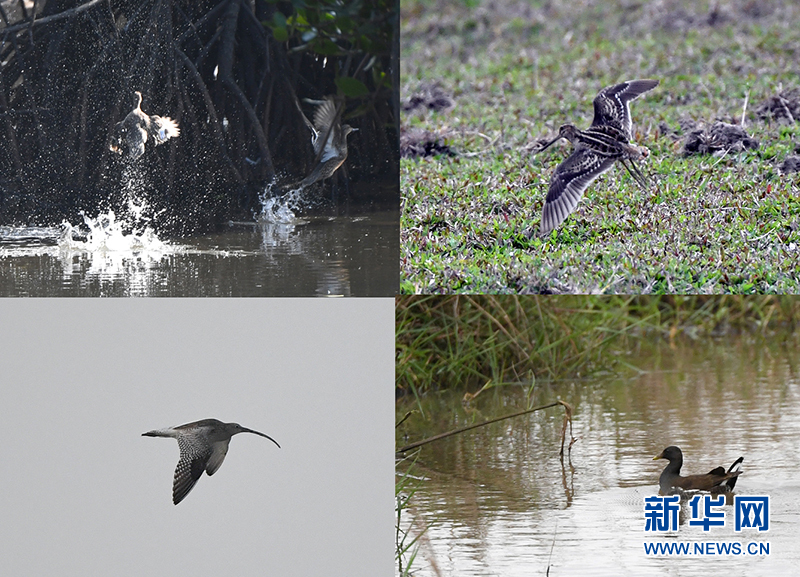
[(329, 139), (715, 481), (596, 149), (203, 446), (130, 134)]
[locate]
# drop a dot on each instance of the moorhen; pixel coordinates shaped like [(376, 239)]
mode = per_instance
[(715, 481)]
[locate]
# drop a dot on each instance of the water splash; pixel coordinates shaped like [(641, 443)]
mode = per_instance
[(282, 207), (111, 249), (111, 246), (277, 211), (106, 233)]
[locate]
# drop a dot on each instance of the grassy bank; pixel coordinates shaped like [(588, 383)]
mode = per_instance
[(464, 341), (515, 71)]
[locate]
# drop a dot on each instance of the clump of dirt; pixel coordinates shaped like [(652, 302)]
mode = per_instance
[(665, 130), (541, 286), (783, 107), (680, 19), (790, 164), (431, 97), (679, 15), (721, 138), (416, 142)]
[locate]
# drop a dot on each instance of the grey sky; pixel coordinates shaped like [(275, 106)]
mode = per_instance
[(83, 493)]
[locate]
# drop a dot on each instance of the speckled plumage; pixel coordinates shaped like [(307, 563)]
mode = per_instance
[(596, 150), (612, 104), (203, 445)]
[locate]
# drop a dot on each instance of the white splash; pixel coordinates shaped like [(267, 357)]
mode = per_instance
[(111, 248), (124, 246), (276, 210), (280, 209)]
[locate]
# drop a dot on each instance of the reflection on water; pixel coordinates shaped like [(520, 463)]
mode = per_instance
[(326, 256), (280, 255), (497, 499)]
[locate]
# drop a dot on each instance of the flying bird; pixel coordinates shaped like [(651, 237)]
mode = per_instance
[(596, 149), (328, 138), (203, 446), (130, 135)]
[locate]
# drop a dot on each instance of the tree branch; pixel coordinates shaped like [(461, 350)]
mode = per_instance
[(65, 14), (229, 22)]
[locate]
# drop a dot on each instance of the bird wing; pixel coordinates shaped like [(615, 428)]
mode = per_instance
[(611, 104), (330, 152), (194, 456), (570, 180), (218, 452), (324, 120), (708, 482), (324, 114), (162, 128)]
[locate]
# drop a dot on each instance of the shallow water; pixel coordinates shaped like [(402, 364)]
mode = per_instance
[(320, 256), (499, 501)]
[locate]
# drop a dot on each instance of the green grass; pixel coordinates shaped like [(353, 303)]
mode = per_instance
[(406, 538), (464, 342), (517, 71)]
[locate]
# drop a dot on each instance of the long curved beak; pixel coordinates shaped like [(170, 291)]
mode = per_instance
[(260, 435)]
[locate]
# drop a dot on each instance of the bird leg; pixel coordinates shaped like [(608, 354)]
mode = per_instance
[(635, 173)]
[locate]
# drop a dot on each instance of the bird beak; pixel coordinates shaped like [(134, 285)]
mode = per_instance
[(548, 145), (659, 456), (261, 435)]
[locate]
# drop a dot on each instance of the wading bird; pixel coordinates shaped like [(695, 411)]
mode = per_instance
[(329, 139), (203, 446), (130, 134), (715, 481), (596, 149)]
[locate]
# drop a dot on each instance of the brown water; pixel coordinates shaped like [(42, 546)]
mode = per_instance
[(337, 256), (496, 500)]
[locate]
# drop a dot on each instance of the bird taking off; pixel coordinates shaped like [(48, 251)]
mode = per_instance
[(596, 149), (203, 446), (130, 134), (329, 139)]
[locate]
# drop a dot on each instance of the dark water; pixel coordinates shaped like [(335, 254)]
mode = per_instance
[(500, 501), (347, 256)]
